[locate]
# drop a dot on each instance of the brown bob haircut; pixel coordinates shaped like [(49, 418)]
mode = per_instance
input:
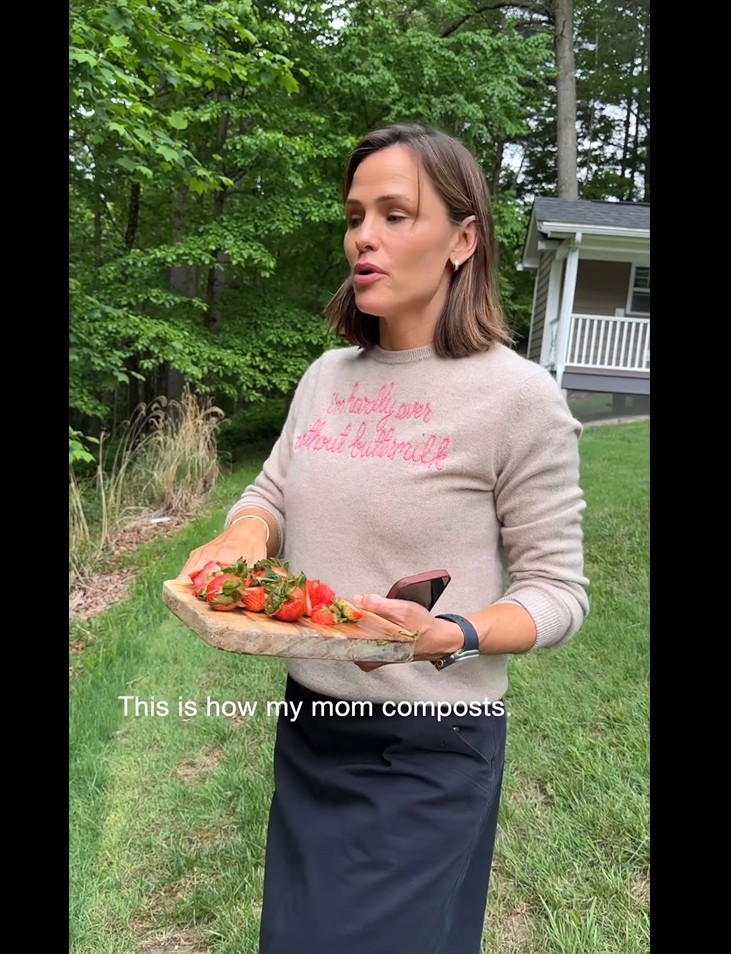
[(472, 319)]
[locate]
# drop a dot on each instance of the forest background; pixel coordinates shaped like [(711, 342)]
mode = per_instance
[(207, 142)]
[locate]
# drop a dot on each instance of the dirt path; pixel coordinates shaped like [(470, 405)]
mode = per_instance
[(92, 596)]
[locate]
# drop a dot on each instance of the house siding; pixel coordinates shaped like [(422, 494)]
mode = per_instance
[(601, 287), (605, 382), (539, 307)]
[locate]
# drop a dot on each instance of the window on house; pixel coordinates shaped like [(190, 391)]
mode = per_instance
[(639, 292)]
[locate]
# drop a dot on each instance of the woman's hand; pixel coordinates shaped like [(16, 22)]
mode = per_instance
[(243, 540), (435, 638)]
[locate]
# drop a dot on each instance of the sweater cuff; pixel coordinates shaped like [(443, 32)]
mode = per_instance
[(553, 622)]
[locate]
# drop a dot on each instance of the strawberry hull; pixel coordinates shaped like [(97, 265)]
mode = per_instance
[(224, 592)]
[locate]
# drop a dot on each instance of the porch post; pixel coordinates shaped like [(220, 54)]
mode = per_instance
[(550, 321), (566, 307)]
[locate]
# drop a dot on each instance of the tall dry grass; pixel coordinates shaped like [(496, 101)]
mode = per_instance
[(180, 453), (165, 463)]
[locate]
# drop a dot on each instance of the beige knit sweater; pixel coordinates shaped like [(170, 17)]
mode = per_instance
[(396, 462)]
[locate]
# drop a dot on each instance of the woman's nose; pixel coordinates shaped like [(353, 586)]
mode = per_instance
[(364, 244), (365, 237)]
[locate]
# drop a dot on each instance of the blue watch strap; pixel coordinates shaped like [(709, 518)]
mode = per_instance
[(471, 639)]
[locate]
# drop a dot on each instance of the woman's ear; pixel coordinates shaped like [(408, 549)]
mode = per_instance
[(465, 241)]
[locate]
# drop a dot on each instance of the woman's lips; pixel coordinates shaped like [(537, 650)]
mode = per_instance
[(367, 278)]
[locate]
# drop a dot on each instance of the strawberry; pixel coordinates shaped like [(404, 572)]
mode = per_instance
[(344, 611), (285, 599), (200, 578), (223, 592), (253, 599), (317, 594), (291, 610), (323, 616)]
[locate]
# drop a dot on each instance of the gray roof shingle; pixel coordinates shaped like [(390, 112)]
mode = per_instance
[(624, 215)]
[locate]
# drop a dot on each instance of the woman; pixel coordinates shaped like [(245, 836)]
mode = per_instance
[(426, 443)]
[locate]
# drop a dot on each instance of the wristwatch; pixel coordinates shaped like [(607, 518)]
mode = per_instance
[(471, 648)]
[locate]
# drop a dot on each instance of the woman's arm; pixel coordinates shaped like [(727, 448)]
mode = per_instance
[(502, 628), (539, 504)]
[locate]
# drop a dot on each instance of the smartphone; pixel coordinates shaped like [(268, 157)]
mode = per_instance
[(423, 588)]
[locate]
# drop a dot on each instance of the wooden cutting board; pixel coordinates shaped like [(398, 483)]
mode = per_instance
[(371, 639)]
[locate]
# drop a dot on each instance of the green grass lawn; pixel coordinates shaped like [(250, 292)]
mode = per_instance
[(168, 811)]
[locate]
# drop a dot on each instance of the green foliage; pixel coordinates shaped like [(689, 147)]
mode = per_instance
[(131, 64), (207, 143), (259, 423), (516, 287), (146, 87), (78, 452), (99, 343)]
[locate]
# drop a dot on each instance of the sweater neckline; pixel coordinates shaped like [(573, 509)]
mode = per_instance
[(408, 356)]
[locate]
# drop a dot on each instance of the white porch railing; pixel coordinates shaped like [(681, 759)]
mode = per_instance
[(618, 344)]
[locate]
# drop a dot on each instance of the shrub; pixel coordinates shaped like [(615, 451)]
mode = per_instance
[(252, 427)]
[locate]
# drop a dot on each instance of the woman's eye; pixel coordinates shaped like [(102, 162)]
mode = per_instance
[(353, 221)]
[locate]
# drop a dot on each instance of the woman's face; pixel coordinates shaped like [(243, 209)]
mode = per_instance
[(398, 240)]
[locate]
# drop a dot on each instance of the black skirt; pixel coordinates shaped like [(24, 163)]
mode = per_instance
[(381, 830)]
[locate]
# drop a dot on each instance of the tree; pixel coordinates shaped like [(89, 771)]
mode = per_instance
[(563, 26), (613, 83), (144, 83)]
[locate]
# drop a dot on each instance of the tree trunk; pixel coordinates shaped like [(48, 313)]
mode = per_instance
[(215, 285), (641, 117), (626, 165), (133, 217), (496, 167), (135, 392), (568, 186)]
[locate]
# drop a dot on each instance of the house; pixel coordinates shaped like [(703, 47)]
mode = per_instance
[(590, 321)]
